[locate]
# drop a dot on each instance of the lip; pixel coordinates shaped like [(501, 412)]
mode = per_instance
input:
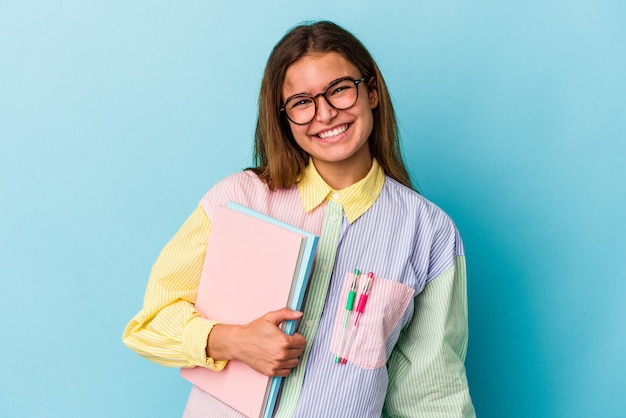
[(336, 138)]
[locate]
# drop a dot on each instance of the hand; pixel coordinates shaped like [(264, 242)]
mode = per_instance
[(261, 344)]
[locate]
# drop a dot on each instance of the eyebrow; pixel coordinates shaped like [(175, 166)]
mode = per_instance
[(325, 88)]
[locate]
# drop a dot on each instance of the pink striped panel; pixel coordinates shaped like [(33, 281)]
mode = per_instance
[(385, 306), (246, 189)]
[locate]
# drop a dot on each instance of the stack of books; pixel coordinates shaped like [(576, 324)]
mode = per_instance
[(254, 264)]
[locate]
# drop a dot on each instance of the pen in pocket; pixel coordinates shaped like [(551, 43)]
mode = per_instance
[(349, 307), (360, 307)]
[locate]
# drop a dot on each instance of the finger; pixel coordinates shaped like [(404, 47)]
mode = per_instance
[(282, 373), (285, 368), (294, 353), (297, 340), (284, 314)]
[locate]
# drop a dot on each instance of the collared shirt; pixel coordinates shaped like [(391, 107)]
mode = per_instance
[(355, 200), (406, 359)]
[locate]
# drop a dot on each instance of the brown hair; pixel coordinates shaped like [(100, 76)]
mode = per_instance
[(280, 161)]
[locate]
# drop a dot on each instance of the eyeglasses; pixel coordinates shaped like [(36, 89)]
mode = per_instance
[(341, 94)]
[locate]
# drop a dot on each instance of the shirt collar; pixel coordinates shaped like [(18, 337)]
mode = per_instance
[(355, 199)]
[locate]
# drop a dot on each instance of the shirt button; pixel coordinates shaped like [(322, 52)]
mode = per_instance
[(324, 268), (309, 323), (336, 196)]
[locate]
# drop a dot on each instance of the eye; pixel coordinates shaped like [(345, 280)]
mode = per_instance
[(299, 102), (342, 87)]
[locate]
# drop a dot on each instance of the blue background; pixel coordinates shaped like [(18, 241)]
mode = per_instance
[(116, 117)]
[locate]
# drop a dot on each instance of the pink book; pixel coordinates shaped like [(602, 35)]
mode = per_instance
[(252, 266)]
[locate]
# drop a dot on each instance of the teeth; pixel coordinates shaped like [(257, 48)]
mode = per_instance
[(334, 132)]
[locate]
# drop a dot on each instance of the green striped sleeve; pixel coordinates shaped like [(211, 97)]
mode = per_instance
[(426, 371)]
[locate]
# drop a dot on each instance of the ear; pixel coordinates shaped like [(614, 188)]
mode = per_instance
[(372, 93)]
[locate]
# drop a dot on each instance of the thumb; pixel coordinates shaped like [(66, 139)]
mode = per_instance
[(284, 314)]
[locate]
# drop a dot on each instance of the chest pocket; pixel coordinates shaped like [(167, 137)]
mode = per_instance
[(363, 344)]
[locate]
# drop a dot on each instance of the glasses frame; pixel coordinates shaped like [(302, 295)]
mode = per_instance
[(323, 94)]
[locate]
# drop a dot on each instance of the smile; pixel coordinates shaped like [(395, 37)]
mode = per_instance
[(333, 132)]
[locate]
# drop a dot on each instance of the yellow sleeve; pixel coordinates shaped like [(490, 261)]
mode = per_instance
[(169, 330)]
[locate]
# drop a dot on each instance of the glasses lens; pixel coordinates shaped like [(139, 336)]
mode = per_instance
[(300, 109), (342, 94)]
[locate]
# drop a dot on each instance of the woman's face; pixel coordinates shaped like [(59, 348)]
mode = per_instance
[(337, 140)]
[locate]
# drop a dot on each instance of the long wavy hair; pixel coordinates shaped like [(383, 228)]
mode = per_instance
[(279, 160)]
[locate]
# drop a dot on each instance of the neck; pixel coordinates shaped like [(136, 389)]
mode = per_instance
[(338, 176)]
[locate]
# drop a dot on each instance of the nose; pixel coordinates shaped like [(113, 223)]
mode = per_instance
[(324, 112)]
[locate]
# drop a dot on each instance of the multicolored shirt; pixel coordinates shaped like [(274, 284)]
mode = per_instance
[(406, 356)]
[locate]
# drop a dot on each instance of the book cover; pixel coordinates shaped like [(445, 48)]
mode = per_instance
[(253, 264)]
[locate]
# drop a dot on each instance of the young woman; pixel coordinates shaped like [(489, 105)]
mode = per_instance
[(328, 161)]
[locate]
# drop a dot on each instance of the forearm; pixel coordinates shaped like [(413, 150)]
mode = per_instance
[(169, 330), (172, 337), (426, 371)]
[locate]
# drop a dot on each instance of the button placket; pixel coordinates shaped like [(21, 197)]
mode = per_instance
[(327, 248)]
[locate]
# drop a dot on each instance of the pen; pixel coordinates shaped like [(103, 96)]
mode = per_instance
[(360, 307), (349, 306)]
